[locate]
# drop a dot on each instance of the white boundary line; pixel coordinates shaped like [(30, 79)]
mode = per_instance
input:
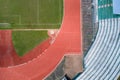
[(33, 29), (19, 22), (74, 53), (38, 11), (20, 19), (40, 24), (14, 16), (106, 5), (43, 54)]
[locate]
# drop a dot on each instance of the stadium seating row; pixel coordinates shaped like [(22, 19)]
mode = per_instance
[(103, 59), (102, 62)]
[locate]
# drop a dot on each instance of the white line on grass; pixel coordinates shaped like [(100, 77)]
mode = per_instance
[(20, 19), (38, 11), (33, 29), (14, 16), (38, 15), (40, 24)]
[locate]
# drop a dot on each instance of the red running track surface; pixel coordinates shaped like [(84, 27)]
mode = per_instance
[(8, 56), (35, 52), (69, 40)]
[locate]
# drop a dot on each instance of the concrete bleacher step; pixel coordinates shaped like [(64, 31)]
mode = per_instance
[(102, 62)]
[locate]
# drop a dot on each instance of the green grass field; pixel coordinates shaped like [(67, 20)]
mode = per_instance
[(30, 14), (24, 41), (24, 14)]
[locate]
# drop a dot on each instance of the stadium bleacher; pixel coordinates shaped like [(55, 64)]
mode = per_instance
[(102, 62)]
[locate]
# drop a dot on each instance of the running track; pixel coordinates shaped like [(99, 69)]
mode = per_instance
[(8, 56), (69, 40)]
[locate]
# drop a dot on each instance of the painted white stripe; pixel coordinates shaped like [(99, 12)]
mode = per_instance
[(106, 5)]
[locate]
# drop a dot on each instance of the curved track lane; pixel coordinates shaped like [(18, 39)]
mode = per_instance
[(68, 40)]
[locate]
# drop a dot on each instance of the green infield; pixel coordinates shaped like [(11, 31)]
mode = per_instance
[(24, 41), (15, 14)]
